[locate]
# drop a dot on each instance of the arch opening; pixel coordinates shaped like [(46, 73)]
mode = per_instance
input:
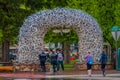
[(62, 38)]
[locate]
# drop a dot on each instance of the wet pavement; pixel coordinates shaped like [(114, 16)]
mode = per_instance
[(45, 79), (53, 79), (59, 79), (63, 75)]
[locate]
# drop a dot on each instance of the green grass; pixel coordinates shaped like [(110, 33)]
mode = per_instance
[(70, 66)]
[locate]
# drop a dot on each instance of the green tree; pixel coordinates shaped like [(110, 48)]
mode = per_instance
[(11, 18), (1, 35), (117, 16), (6, 18)]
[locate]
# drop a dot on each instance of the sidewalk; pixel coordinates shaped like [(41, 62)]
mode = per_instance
[(84, 72), (110, 75)]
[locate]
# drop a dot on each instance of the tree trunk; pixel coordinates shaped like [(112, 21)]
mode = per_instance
[(5, 51), (66, 49)]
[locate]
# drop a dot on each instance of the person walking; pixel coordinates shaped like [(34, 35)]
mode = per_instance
[(53, 58), (42, 58), (12, 55), (89, 62), (60, 59), (103, 61)]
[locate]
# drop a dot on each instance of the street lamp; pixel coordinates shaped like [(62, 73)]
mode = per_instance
[(116, 33)]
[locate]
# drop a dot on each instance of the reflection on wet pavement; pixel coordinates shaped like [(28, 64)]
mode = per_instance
[(49, 79)]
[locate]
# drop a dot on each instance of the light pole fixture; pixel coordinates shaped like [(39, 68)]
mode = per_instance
[(61, 31), (116, 33)]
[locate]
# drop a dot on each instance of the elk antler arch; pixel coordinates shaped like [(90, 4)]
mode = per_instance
[(35, 27)]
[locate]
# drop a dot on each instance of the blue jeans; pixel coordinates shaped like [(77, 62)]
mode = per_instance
[(43, 67), (58, 65)]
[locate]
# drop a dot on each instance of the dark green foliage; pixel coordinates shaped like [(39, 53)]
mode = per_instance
[(13, 13)]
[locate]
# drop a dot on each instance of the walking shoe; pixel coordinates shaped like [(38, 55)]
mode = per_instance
[(90, 75), (104, 74)]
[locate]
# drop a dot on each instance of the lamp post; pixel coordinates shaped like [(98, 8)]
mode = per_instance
[(116, 33)]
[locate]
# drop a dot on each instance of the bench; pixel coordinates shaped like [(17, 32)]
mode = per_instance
[(6, 63), (6, 66)]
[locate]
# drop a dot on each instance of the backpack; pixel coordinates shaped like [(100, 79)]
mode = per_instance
[(90, 60), (42, 57), (103, 58), (60, 57), (53, 57)]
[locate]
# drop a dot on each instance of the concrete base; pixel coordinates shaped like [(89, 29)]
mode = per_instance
[(30, 67), (96, 66)]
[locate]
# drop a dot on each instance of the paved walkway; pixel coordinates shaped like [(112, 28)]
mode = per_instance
[(111, 75)]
